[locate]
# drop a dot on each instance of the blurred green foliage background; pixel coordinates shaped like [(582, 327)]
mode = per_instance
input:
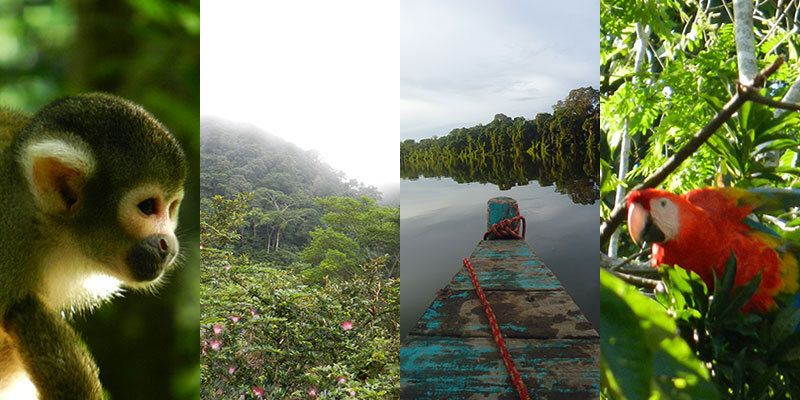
[(147, 51)]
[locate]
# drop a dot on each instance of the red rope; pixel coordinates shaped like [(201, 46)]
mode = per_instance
[(516, 379), (504, 229)]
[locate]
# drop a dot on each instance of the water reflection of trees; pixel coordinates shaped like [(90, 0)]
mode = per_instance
[(569, 175), (560, 148)]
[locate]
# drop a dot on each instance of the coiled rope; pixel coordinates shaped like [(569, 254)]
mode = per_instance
[(508, 228)]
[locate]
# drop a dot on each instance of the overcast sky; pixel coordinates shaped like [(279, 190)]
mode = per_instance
[(320, 74), (324, 74), (463, 61)]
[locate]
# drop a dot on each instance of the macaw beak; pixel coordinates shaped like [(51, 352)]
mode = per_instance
[(641, 226)]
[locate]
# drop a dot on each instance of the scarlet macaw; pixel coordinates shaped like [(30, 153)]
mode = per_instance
[(699, 230)]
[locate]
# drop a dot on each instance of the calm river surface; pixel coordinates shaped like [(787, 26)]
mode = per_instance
[(441, 221)]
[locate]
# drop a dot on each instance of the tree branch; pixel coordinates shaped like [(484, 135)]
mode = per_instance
[(626, 266), (637, 280), (754, 96), (792, 95), (618, 214)]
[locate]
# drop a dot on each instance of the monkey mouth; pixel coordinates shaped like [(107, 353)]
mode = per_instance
[(143, 267), (148, 259)]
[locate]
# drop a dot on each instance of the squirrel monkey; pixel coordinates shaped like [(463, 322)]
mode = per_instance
[(90, 187)]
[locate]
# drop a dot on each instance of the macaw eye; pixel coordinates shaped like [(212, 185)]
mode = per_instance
[(148, 207), (663, 203)]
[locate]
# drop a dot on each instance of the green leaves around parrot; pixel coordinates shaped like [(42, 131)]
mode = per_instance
[(687, 77), (726, 299), (750, 142), (749, 356), (641, 353), (692, 342)]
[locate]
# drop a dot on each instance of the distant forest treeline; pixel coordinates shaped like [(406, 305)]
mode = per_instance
[(571, 134), (286, 183)]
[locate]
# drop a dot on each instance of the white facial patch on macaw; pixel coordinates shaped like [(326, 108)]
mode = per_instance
[(665, 216)]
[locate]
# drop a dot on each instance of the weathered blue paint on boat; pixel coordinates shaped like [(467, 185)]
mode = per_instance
[(522, 314), (500, 208), (435, 367), (449, 354)]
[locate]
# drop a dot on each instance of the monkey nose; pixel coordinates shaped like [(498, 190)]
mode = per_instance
[(160, 245), (148, 258)]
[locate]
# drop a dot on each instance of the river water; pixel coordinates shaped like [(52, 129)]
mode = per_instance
[(442, 220)]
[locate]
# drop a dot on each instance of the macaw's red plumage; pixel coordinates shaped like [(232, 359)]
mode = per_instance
[(699, 230)]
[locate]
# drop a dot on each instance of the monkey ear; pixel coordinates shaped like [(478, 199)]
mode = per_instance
[(57, 171)]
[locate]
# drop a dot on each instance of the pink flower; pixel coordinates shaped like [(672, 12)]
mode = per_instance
[(231, 370), (234, 318), (341, 380), (353, 393), (312, 392), (217, 329), (258, 391), (347, 325), (215, 344), (227, 267), (253, 312)]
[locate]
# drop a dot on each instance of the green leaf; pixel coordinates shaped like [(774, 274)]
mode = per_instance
[(722, 289), (653, 359), (741, 296), (785, 323), (623, 347)]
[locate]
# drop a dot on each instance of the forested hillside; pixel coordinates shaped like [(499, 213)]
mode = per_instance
[(299, 277), (285, 182)]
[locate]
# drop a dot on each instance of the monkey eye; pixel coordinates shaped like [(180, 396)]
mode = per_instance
[(172, 208), (148, 207)]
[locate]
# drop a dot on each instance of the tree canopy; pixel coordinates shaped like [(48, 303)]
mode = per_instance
[(285, 181), (560, 148), (300, 271), (670, 74)]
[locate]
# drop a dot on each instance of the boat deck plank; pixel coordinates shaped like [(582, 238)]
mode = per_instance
[(449, 354), (470, 368)]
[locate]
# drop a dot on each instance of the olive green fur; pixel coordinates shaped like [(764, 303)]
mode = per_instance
[(57, 361), (130, 148)]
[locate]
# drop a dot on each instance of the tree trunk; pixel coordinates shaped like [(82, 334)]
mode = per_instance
[(642, 40), (745, 41), (792, 96)]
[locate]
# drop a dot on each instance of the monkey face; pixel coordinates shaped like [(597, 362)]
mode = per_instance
[(106, 178), (149, 215)]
